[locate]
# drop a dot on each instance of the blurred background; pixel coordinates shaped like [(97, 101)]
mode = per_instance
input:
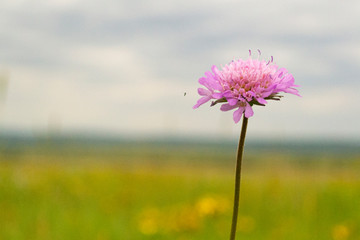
[(98, 138)]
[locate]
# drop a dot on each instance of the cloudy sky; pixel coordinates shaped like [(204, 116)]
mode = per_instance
[(122, 67)]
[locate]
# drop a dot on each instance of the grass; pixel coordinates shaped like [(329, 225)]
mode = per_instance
[(179, 193)]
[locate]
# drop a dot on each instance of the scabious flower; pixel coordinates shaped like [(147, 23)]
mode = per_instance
[(244, 83)]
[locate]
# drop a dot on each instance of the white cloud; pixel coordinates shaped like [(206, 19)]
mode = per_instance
[(124, 65), (331, 101)]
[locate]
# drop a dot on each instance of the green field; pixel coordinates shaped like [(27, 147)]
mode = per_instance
[(131, 191)]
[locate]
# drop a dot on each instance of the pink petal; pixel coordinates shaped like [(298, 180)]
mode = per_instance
[(204, 92), (292, 91), (207, 82), (232, 101), (226, 107), (228, 94), (261, 100), (201, 101), (204, 81), (248, 111), (237, 114), (217, 95), (215, 70)]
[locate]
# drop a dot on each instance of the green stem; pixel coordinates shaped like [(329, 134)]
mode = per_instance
[(238, 177)]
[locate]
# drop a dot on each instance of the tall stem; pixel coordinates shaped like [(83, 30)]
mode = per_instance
[(238, 177)]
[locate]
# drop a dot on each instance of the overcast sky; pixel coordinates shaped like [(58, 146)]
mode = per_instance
[(122, 67)]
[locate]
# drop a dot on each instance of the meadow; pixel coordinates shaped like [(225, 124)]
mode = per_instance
[(133, 191)]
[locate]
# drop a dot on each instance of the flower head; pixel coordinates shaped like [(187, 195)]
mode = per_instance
[(244, 83)]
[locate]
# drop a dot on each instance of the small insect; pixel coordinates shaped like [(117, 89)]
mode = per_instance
[(184, 94)]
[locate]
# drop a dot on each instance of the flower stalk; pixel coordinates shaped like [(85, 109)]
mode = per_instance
[(239, 86), (239, 157)]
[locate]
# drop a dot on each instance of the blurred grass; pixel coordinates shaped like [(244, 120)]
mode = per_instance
[(156, 192)]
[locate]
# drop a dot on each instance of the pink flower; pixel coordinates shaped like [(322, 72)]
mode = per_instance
[(244, 83)]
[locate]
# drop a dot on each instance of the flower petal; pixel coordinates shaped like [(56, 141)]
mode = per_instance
[(292, 91), (248, 111), (217, 95), (237, 114), (232, 101), (204, 92), (201, 101), (227, 107), (261, 100), (228, 94)]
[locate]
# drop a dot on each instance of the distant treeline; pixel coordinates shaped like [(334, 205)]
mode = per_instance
[(12, 142)]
